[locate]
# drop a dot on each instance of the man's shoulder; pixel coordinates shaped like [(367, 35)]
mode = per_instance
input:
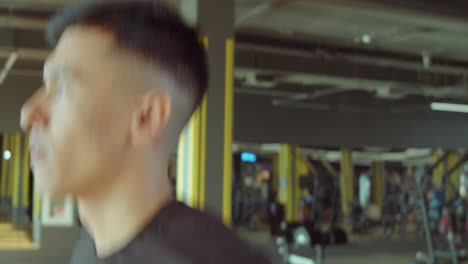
[(203, 236), (181, 222)]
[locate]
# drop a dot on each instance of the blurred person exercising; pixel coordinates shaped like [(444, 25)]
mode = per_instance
[(121, 83)]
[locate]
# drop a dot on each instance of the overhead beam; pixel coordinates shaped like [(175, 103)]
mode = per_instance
[(345, 74), (338, 67), (446, 16), (38, 2), (22, 22), (14, 38), (25, 53), (309, 96), (353, 74), (269, 41)]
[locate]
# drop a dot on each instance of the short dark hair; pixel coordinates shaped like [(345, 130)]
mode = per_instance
[(149, 29)]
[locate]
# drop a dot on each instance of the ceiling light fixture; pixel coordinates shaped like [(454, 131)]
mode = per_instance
[(366, 39), (448, 107)]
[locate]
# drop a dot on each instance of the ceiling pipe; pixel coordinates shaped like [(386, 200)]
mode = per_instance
[(399, 64), (259, 10), (309, 96), (8, 66)]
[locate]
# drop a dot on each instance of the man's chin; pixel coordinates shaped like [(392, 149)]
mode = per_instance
[(53, 191)]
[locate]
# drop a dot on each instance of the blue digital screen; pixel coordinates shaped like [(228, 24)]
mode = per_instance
[(248, 157)]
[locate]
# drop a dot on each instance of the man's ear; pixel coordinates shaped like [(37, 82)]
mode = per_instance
[(150, 118)]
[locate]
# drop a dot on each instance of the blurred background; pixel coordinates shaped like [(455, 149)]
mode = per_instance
[(334, 130)]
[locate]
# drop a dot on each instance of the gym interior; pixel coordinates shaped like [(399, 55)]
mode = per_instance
[(333, 131)]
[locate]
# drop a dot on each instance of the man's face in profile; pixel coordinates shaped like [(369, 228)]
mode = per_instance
[(79, 119)]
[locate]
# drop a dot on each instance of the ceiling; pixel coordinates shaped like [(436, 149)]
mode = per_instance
[(372, 23), (360, 56), (367, 56)]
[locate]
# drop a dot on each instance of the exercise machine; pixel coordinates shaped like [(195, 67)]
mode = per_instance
[(295, 242), (443, 237)]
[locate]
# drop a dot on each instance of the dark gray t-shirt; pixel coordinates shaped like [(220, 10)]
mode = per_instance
[(177, 235)]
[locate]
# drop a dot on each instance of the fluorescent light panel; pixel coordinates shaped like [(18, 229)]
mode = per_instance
[(460, 108)]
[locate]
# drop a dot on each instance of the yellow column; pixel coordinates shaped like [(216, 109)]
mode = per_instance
[(291, 167), (439, 170), (5, 174), (11, 167), (215, 113), (452, 160), (191, 157), (228, 132), (25, 174), (285, 193), (346, 181), (17, 155), (190, 161)]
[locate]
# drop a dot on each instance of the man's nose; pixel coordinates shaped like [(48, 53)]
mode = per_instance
[(33, 111)]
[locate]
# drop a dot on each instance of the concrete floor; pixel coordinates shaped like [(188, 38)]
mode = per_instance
[(360, 250)]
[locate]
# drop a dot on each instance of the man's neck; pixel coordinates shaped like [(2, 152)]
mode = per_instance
[(117, 214)]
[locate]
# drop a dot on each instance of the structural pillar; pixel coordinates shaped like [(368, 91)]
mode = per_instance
[(5, 176), (204, 162), (452, 160), (346, 181), (19, 184), (378, 183), (288, 189), (439, 170)]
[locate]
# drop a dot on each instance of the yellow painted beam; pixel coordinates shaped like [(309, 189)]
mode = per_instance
[(439, 170), (283, 174), (188, 163), (180, 181), (289, 179), (286, 181), (11, 169), (26, 175), (202, 146), (202, 175), (191, 157), (347, 181), (228, 123), (16, 169), (452, 160), (4, 175), (196, 160)]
